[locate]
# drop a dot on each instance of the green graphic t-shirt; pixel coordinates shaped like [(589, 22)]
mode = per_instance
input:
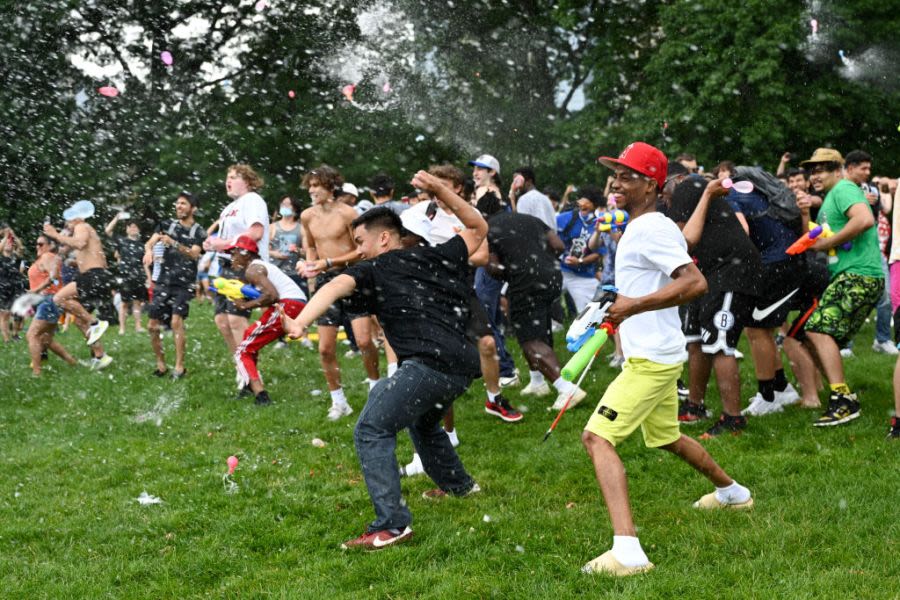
[(864, 256)]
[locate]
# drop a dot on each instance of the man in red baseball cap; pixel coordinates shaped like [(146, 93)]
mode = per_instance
[(654, 274)]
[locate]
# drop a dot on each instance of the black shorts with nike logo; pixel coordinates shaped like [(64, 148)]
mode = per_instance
[(788, 285)]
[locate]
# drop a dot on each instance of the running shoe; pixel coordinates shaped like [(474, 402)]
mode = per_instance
[(683, 392), (712, 502), (847, 353), (413, 468), (841, 409), (885, 347), (379, 539), (759, 406), (96, 331), (607, 564), (511, 381), (503, 409), (726, 424), (787, 396), (542, 389), (688, 412), (160, 373), (894, 431), (263, 399), (437, 493), (179, 374), (577, 397), (98, 364), (338, 410)]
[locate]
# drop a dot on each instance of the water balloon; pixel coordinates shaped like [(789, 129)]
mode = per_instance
[(232, 464), (386, 88), (814, 24), (261, 5), (744, 187), (166, 57), (108, 91), (292, 94), (348, 91)]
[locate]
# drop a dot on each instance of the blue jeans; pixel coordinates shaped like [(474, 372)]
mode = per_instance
[(415, 397), (488, 291), (883, 309)]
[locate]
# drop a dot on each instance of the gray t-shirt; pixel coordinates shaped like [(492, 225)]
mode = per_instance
[(537, 205)]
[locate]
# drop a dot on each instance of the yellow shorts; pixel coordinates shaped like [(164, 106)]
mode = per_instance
[(644, 394)]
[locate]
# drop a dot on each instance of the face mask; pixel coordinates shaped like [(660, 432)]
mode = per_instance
[(286, 212)]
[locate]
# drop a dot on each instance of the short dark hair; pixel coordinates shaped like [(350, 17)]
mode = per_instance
[(450, 172), (593, 194), (552, 193), (382, 184), (296, 204), (857, 157), (527, 173), (379, 217), (685, 156), (726, 165), (795, 171), (192, 200)]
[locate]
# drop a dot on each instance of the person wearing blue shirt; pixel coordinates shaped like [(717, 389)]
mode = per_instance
[(579, 263)]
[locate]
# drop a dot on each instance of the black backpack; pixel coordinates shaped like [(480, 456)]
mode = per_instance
[(782, 202)]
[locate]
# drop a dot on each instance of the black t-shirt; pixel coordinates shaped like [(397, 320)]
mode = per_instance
[(179, 270), (520, 242), (421, 298), (725, 254), (131, 256)]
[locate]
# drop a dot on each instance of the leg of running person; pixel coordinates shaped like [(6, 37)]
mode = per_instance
[(362, 332)]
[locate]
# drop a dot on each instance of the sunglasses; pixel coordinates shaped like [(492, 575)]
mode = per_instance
[(41, 243)]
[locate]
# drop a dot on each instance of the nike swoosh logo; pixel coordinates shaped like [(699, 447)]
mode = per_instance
[(380, 544), (759, 315)]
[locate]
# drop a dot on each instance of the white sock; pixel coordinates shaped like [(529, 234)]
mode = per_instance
[(562, 386), (537, 378), (628, 551), (372, 383), (454, 438), (492, 397), (733, 494), (392, 368), (338, 397)]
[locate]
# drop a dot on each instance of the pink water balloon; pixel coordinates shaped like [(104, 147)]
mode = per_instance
[(108, 91), (744, 187), (292, 94), (814, 24), (386, 88), (166, 57), (261, 5), (348, 91), (232, 464)]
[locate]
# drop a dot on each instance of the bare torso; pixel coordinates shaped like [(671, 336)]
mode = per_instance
[(326, 230), (91, 256)]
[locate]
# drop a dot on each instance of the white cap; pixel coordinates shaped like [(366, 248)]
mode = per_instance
[(83, 209), (417, 223), (486, 161), (351, 189)]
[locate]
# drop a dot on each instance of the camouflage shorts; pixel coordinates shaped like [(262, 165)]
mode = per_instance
[(844, 306)]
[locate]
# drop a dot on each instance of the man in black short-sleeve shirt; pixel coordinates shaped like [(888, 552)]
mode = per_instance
[(421, 298)]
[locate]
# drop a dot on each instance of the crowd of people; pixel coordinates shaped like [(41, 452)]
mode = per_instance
[(442, 279)]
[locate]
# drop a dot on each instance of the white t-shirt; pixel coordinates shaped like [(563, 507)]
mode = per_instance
[(286, 287), (444, 225), (651, 248), (537, 205), (240, 215)]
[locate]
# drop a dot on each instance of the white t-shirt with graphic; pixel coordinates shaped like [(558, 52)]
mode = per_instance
[(240, 215), (651, 248)]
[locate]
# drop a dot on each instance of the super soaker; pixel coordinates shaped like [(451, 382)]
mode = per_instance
[(234, 289), (806, 241), (613, 220)]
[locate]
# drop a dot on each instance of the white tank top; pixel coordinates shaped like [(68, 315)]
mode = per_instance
[(284, 285)]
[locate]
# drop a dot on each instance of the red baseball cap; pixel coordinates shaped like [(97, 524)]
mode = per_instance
[(643, 158), (244, 242)]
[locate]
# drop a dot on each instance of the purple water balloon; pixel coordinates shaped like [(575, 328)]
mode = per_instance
[(166, 57)]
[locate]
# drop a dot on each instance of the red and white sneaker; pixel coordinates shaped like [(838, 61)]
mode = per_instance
[(379, 539), (503, 409)]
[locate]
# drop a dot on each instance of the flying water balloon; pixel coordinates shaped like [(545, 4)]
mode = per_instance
[(227, 481), (232, 464), (814, 25), (348, 91), (108, 91), (744, 187), (166, 57), (386, 88), (292, 94), (261, 5)]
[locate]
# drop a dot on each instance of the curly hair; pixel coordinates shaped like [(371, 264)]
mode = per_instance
[(250, 177)]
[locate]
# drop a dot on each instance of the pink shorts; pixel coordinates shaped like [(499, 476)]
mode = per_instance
[(895, 285)]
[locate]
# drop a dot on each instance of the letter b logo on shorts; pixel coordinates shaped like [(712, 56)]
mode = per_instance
[(605, 411), (724, 320)]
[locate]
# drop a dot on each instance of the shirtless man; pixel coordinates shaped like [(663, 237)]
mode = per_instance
[(92, 287), (329, 249)]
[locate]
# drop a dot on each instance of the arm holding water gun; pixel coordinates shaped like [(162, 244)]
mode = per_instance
[(588, 333), (808, 240), (234, 289)]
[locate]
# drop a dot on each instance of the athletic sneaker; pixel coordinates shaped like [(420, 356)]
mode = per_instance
[(438, 493), (352, 353), (338, 410), (683, 392), (96, 331), (542, 389), (688, 412), (712, 502), (512, 380), (788, 396), (847, 353), (307, 343), (503, 409), (379, 539), (577, 397), (885, 347), (262, 399), (179, 374), (841, 408), (243, 392), (98, 364), (759, 407), (413, 468), (607, 564), (616, 362), (894, 431), (160, 373), (725, 424)]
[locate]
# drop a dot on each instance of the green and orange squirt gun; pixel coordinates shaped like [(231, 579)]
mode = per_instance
[(234, 289), (585, 338)]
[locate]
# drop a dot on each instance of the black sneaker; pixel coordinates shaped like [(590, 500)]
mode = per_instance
[(683, 392), (503, 409), (688, 412), (159, 373), (841, 408), (894, 431), (244, 392), (262, 399), (726, 424)]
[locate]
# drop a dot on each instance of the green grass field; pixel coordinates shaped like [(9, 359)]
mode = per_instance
[(80, 447)]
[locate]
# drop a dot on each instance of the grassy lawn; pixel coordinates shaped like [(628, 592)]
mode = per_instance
[(80, 447)]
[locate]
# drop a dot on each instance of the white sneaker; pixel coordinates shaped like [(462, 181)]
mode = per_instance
[(616, 362), (351, 353), (96, 331), (789, 396), (759, 407), (307, 343), (414, 468), (98, 364), (338, 410), (577, 397), (542, 389), (847, 353), (510, 381), (885, 347)]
